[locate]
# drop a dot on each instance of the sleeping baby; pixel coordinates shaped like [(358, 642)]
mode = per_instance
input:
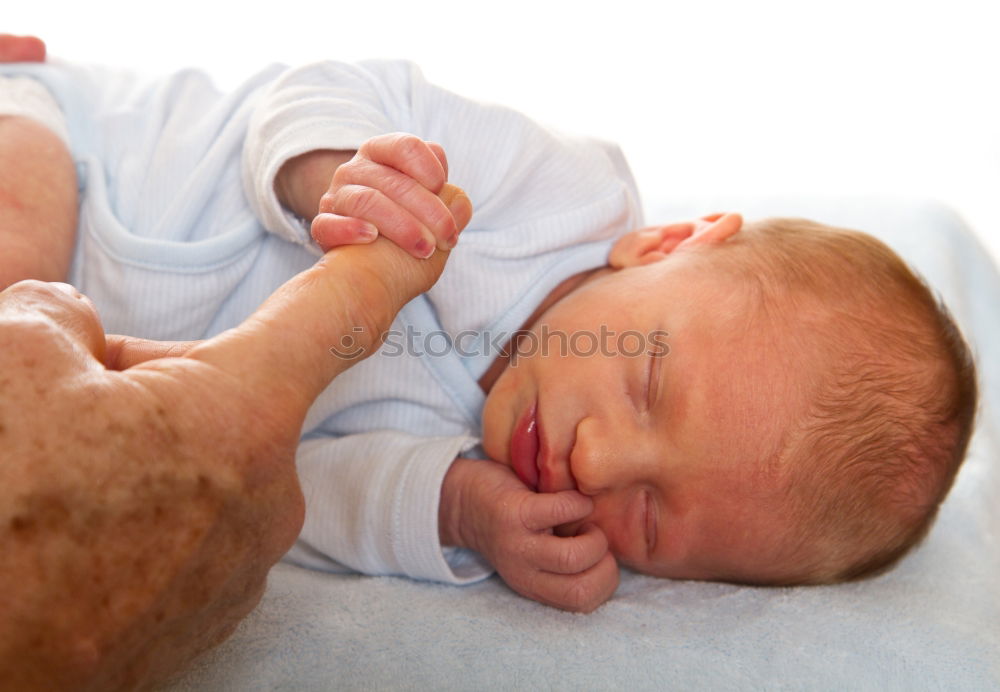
[(772, 402)]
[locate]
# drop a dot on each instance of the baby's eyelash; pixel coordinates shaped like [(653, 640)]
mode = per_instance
[(638, 395), (649, 519), (652, 381)]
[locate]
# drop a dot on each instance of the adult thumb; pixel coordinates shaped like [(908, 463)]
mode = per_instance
[(21, 48)]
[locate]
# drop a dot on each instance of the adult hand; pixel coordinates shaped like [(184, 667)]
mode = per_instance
[(21, 48), (142, 507)]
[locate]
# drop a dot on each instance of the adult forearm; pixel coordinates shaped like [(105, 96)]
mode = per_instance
[(38, 203), (304, 179)]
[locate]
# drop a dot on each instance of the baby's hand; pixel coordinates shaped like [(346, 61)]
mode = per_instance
[(512, 527), (394, 187)]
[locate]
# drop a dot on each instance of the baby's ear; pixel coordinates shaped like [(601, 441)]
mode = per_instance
[(653, 243)]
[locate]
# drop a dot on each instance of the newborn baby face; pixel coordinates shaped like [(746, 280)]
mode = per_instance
[(672, 440)]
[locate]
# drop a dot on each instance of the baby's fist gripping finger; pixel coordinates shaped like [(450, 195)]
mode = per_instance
[(362, 213), (393, 184)]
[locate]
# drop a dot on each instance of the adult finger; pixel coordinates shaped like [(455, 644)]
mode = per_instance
[(320, 322), (123, 352), (568, 555), (408, 154), (547, 510), (21, 48)]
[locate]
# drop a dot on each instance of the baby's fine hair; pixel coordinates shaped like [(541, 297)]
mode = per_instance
[(892, 400)]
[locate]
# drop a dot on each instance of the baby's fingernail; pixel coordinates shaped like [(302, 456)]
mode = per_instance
[(453, 240), (367, 232), (424, 249)]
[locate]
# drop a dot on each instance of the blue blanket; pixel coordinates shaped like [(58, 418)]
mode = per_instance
[(933, 622)]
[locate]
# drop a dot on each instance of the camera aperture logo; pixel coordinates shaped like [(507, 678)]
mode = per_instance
[(524, 343)]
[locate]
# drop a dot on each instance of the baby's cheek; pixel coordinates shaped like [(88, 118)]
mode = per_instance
[(491, 441), (497, 423), (608, 516)]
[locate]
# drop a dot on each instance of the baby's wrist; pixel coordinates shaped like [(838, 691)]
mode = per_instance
[(304, 179), (454, 526)]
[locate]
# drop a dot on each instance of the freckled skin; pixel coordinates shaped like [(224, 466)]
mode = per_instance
[(145, 488), (140, 510), (93, 521)]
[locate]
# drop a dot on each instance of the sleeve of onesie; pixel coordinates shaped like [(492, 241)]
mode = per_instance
[(513, 169), (326, 105), (372, 507)]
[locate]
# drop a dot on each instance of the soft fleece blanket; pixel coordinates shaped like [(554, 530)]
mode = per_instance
[(931, 623)]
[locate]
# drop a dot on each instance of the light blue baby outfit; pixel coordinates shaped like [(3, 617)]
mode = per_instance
[(181, 236)]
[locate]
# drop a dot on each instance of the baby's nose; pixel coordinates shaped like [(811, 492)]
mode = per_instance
[(598, 459)]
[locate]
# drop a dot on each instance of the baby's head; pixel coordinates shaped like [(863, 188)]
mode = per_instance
[(780, 403)]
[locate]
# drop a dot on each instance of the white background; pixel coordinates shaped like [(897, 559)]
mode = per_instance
[(748, 97)]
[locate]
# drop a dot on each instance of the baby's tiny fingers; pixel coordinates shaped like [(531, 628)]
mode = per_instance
[(332, 230), (593, 587), (438, 151), (392, 221), (407, 154), (400, 189), (581, 592), (547, 510), (570, 555)]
